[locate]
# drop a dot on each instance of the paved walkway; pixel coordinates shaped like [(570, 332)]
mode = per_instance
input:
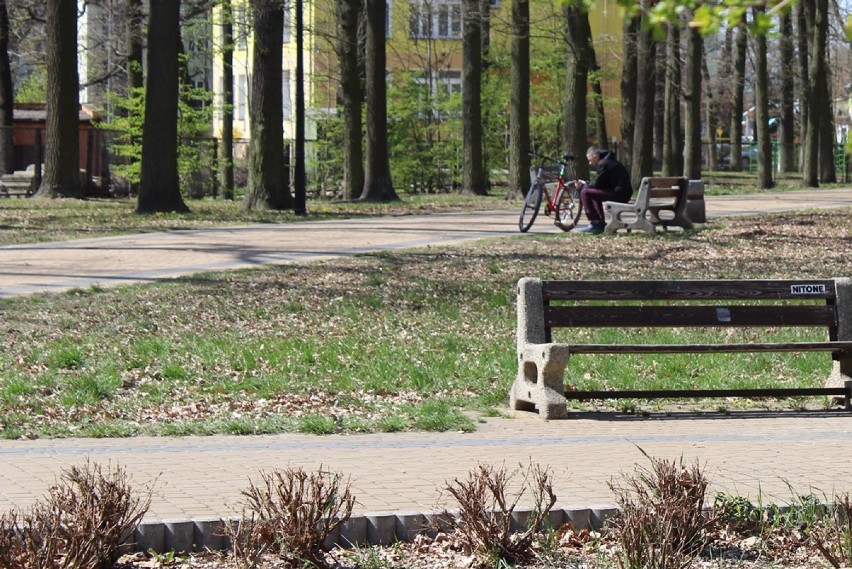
[(109, 261), (750, 454)]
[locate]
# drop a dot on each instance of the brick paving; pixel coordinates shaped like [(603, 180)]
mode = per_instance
[(755, 454)]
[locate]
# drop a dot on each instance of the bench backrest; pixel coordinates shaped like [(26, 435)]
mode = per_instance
[(603, 304), (671, 189)]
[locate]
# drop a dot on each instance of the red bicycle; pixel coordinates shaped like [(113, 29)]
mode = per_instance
[(565, 200)]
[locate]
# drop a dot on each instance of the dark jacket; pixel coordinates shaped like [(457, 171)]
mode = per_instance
[(612, 176)]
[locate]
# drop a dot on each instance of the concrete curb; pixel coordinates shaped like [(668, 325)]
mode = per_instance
[(375, 528)]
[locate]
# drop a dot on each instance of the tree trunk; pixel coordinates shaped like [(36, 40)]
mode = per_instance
[(377, 176), (692, 95), (628, 88), (601, 133), (737, 97), (159, 187), (822, 94), (473, 172), (642, 150), (133, 45), (62, 155), (226, 154), (7, 97), (761, 112), (351, 97), (672, 136), (660, 61), (268, 187), (711, 114), (809, 150), (519, 103), (787, 154), (574, 135), (810, 170)]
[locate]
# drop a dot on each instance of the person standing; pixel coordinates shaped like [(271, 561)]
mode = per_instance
[(612, 184)]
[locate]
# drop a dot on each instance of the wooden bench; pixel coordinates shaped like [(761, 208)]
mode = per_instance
[(655, 195), (543, 306)]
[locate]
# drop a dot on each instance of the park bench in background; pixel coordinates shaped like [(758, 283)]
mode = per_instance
[(546, 305), (655, 196)]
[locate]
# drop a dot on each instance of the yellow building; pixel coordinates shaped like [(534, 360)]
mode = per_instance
[(423, 35)]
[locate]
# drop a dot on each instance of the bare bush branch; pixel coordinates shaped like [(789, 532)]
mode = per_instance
[(291, 514), (86, 519), (485, 519), (660, 524)]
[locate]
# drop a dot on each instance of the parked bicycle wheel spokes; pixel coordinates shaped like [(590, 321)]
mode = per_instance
[(564, 205), (532, 203)]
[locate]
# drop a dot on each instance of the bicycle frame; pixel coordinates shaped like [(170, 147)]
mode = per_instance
[(563, 202)]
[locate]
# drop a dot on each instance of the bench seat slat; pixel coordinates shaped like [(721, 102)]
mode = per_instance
[(664, 182), (709, 348), (664, 193), (689, 290), (685, 316)]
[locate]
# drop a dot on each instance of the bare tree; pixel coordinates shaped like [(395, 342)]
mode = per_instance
[(642, 149), (7, 143), (159, 186), (786, 157), (672, 136), (226, 158), (519, 105), (629, 85), (377, 177), (133, 44), (761, 112), (692, 96), (473, 170), (351, 96), (574, 135), (62, 155), (804, 29), (737, 94), (595, 70), (268, 188), (822, 93), (711, 114)]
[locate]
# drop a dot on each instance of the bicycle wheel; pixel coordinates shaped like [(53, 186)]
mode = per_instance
[(577, 210), (532, 203), (570, 209)]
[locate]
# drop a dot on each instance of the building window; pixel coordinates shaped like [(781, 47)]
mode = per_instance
[(440, 87), (439, 19), (287, 103), (242, 96), (288, 6), (241, 28)]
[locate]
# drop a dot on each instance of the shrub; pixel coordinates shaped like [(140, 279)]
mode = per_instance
[(484, 524), (87, 518), (291, 514), (832, 536), (660, 524)]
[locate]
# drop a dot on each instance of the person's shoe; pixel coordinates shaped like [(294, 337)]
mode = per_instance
[(594, 228)]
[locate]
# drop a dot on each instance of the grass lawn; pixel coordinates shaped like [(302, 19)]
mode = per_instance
[(420, 339)]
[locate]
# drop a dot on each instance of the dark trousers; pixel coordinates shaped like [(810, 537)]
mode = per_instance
[(593, 199)]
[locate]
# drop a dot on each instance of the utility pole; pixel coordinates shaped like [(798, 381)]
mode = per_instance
[(299, 206)]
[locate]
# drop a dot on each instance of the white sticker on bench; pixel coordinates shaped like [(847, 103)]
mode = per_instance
[(723, 315), (807, 289)]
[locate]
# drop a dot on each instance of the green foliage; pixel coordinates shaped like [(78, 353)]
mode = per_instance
[(195, 148), (707, 17), (33, 88), (326, 161), (424, 133)]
